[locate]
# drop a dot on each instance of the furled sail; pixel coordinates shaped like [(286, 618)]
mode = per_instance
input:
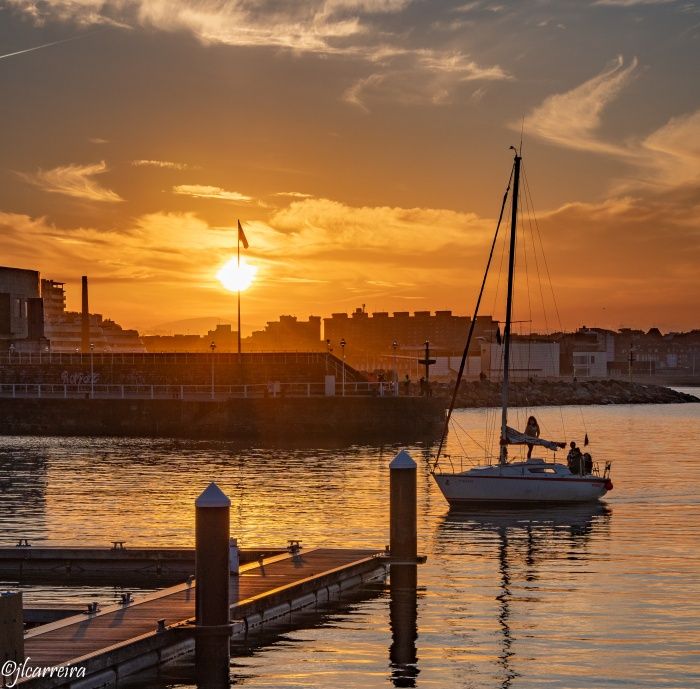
[(514, 437)]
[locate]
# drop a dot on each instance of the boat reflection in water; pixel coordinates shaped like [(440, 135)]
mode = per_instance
[(524, 539)]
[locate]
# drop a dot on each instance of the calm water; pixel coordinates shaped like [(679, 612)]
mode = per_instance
[(602, 596)]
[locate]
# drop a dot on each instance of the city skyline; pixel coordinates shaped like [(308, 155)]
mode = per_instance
[(364, 146)]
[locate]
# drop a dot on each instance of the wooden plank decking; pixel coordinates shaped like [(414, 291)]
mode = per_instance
[(77, 639)]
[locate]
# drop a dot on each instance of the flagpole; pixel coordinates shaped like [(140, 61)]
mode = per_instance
[(238, 234)]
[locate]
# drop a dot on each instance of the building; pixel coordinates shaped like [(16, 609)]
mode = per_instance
[(590, 364), (528, 359), (63, 328), (369, 339), (287, 335), (21, 310)]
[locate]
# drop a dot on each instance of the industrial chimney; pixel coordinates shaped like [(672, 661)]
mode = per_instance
[(85, 320)]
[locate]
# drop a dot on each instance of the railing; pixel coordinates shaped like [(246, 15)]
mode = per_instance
[(460, 463), (192, 392), (166, 358)]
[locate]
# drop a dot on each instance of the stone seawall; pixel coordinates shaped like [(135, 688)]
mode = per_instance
[(543, 393), (337, 418)]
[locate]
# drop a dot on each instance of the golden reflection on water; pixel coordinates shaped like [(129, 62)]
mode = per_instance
[(590, 597)]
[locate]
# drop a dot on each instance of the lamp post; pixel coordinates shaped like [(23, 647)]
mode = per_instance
[(329, 351), (212, 346), (342, 346), (92, 370), (395, 346)]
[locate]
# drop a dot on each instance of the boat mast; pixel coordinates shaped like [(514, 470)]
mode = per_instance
[(503, 457)]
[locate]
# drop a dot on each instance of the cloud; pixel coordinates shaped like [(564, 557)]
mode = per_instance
[(673, 151), (572, 119), (315, 26), (419, 77), (320, 255), (74, 180), (347, 28), (669, 156), (294, 194), (203, 191), (632, 3), (161, 163)]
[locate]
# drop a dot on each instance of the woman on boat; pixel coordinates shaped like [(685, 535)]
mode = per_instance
[(533, 430)]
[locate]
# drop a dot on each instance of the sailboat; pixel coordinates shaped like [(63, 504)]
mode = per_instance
[(534, 481)]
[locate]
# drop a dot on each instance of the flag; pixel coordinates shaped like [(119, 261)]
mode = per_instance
[(241, 236)]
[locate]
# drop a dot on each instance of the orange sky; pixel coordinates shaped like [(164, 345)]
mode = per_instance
[(364, 145)]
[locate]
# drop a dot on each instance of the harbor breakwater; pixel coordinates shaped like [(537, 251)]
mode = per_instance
[(537, 393), (352, 419)]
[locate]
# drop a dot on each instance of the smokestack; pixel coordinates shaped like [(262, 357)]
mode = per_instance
[(85, 320)]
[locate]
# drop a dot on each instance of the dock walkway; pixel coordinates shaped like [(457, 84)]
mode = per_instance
[(126, 638)]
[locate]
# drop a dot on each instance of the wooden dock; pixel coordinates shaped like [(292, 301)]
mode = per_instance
[(32, 561), (123, 639)]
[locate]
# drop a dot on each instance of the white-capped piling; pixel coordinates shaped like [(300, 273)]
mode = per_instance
[(403, 531), (212, 572)]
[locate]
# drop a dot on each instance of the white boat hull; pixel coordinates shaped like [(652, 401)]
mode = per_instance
[(471, 488)]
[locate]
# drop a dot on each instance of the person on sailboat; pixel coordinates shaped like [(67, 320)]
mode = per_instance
[(533, 430), (574, 458)]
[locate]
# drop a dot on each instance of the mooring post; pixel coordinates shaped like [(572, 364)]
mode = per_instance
[(11, 627), (403, 531), (403, 573), (212, 524)]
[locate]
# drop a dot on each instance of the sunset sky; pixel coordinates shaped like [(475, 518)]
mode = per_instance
[(364, 146)]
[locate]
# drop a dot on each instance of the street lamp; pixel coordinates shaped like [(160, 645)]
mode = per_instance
[(342, 346), (395, 346), (212, 346), (92, 370)]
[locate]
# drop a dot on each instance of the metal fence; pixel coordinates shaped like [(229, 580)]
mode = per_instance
[(194, 392)]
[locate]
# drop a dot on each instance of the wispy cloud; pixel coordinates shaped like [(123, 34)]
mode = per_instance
[(74, 180), (316, 25), (350, 28), (572, 119), (669, 156), (633, 3), (294, 194), (421, 76), (162, 164), (203, 191), (673, 151)]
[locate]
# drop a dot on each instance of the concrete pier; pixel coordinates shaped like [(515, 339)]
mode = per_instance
[(340, 419)]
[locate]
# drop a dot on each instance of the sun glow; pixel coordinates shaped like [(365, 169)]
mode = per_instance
[(236, 278)]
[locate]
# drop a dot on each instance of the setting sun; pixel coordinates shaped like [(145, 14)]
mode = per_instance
[(236, 278)]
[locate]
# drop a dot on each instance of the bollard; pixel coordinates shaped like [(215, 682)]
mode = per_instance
[(212, 523), (403, 532), (403, 621), (11, 627)]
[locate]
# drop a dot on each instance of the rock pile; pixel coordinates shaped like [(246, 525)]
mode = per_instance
[(536, 392)]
